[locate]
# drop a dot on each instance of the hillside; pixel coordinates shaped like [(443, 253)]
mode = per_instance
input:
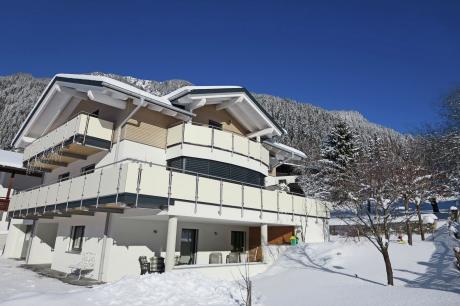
[(306, 124)]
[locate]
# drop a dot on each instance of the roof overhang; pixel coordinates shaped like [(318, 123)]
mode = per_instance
[(64, 87), (236, 100), (283, 154)]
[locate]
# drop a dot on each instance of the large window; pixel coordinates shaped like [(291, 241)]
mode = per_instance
[(76, 238), (218, 169), (238, 241)]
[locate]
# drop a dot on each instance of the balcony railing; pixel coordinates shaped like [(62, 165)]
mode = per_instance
[(214, 138), (130, 181), (83, 125)]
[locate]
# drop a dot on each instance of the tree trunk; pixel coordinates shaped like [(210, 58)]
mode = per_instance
[(389, 269), (420, 221), (408, 224)]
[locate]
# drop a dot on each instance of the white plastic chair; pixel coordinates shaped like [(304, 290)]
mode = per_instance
[(87, 262)]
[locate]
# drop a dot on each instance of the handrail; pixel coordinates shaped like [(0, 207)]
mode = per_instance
[(211, 127), (163, 166), (70, 119)]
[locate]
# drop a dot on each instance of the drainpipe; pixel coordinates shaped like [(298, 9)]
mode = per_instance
[(117, 148), (104, 246)]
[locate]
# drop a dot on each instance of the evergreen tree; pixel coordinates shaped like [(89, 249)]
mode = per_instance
[(338, 152)]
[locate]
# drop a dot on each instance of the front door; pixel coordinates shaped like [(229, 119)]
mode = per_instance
[(188, 246)]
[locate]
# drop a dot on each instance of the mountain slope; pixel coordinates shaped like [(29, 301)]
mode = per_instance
[(306, 125)]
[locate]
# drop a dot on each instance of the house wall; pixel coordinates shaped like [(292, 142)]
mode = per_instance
[(42, 243), (16, 241), (63, 258), (148, 127), (133, 238), (209, 112)]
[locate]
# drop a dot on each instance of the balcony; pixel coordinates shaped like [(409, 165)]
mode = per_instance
[(78, 138), (217, 143), (132, 183)]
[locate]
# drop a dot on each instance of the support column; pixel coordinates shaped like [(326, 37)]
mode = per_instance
[(31, 239), (264, 241), (171, 243)]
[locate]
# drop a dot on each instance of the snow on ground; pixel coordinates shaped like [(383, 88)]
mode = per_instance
[(353, 273), (342, 272), (23, 287)]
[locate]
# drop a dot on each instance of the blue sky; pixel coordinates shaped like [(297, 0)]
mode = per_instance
[(390, 60)]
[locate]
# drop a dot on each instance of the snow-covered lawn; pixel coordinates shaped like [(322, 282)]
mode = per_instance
[(335, 273), (353, 273)]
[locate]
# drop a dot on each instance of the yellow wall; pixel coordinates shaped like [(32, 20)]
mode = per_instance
[(148, 127), (209, 112)]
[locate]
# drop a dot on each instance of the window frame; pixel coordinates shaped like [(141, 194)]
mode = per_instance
[(73, 238)]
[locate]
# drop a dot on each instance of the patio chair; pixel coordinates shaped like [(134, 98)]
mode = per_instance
[(86, 265), (215, 258), (145, 265), (233, 257)]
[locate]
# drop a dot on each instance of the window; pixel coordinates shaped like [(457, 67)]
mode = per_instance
[(87, 169), (218, 169), (76, 238), (238, 241), (215, 125), (63, 177)]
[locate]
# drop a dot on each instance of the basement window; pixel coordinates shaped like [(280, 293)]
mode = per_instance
[(76, 238)]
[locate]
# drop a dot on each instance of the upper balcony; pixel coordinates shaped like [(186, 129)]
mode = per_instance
[(217, 144), (133, 183), (78, 138)]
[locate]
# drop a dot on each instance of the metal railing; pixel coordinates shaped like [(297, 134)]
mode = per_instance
[(215, 138), (145, 178), (82, 123)]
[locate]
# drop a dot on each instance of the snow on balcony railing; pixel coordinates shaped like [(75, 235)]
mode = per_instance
[(217, 139), (149, 179), (82, 124)]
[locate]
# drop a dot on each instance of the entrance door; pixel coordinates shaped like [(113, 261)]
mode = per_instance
[(188, 246)]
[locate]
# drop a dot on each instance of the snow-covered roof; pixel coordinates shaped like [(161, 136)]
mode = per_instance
[(53, 100), (286, 148), (10, 159), (186, 89), (237, 100), (114, 83)]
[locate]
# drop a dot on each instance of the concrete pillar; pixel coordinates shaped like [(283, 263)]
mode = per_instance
[(171, 243), (264, 241)]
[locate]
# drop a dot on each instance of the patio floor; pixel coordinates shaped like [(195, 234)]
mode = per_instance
[(46, 271)]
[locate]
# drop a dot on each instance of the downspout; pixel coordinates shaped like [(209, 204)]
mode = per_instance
[(108, 218), (123, 123)]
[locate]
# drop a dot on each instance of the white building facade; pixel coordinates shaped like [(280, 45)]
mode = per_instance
[(183, 177)]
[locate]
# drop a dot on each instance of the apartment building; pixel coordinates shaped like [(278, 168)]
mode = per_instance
[(184, 177)]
